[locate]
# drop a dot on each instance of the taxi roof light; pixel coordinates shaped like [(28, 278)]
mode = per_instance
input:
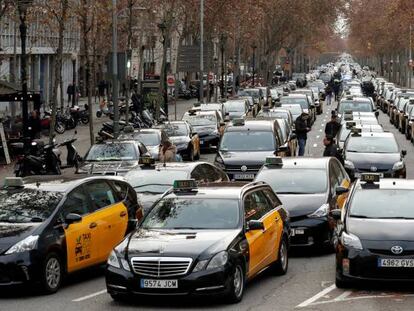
[(274, 161), (185, 185), (238, 122), (370, 178), (146, 161), (13, 182), (350, 125), (192, 112)]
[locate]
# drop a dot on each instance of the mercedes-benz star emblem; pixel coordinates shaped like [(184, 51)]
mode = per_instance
[(397, 250), (244, 168), (373, 169)]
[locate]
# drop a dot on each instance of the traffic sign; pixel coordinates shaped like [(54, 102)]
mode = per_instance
[(170, 81)]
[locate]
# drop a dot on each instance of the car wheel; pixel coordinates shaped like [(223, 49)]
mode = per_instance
[(52, 274), (280, 266), (237, 283), (59, 127), (190, 154)]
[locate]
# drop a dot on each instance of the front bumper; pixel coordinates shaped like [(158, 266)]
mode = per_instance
[(309, 231), (356, 173), (18, 269), (239, 175), (215, 281)]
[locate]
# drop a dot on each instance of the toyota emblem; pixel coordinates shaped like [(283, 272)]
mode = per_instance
[(373, 169), (397, 250), (244, 168)]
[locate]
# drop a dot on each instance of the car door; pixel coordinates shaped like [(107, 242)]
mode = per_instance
[(258, 253), (111, 215), (82, 238)]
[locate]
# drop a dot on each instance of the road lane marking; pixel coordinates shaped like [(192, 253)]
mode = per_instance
[(317, 136), (322, 124), (89, 296), (320, 130), (343, 295), (316, 297), (360, 298), (315, 145)]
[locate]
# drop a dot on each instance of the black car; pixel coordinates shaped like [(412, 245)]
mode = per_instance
[(375, 232), (112, 158), (202, 241), (246, 144), (306, 186), (152, 181), (373, 152), (51, 226)]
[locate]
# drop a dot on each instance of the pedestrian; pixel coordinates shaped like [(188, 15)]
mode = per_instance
[(332, 149), (34, 125), (167, 152), (332, 127), (302, 129), (328, 94), (69, 92)]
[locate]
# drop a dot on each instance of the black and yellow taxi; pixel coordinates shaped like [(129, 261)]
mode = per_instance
[(375, 232), (307, 188), (206, 240), (53, 226), (246, 144)]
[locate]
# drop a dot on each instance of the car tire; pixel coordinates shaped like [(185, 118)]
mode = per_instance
[(281, 265), (51, 274), (190, 154), (237, 284)]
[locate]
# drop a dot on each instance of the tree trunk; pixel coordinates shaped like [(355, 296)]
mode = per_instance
[(162, 88)]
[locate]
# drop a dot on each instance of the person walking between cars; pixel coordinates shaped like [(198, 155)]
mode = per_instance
[(167, 152), (332, 149), (302, 129), (328, 94), (332, 127)]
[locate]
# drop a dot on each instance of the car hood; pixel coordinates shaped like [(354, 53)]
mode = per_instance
[(236, 114), (10, 233), (245, 158), (302, 204), (382, 161), (178, 140), (185, 243), (107, 166), (381, 229), (204, 129)]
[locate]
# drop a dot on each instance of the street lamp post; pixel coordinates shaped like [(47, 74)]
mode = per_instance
[(73, 57), (254, 47), (115, 67), (223, 39), (215, 60), (163, 77), (202, 51), (22, 6)]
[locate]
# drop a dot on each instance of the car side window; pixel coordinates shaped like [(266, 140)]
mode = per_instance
[(272, 198), (255, 206), (126, 194), (198, 174), (101, 194), (334, 175), (142, 149), (211, 173), (76, 202)]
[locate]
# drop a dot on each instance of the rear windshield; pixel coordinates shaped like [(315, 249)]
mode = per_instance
[(372, 145), (248, 141), (355, 106), (291, 100)]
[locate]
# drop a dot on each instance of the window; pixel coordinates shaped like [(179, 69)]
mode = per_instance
[(255, 206), (198, 174), (211, 173), (76, 202), (273, 199), (101, 194)]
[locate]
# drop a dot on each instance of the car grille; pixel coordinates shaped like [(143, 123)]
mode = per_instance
[(238, 167), (388, 252), (161, 266)]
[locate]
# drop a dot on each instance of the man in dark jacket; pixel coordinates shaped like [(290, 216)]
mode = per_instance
[(332, 127), (34, 125), (332, 149), (302, 129)]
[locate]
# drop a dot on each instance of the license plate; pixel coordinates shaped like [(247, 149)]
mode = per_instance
[(201, 142), (358, 175), (396, 263), (294, 232), (243, 176), (147, 283)]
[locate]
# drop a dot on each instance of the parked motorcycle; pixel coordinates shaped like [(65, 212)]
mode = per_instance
[(73, 159)]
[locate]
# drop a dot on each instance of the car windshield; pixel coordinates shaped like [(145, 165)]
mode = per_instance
[(148, 139), (273, 114), (292, 100), (27, 205), (112, 152), (371, 144), (355, 106), (154, 181), (200, 119), (248, 141), (193, 213), (383, 203), (294, 109), (252, 93), (295, 181), (177, 129), (235, 106)]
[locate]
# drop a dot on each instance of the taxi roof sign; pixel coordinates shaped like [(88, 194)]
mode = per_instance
[(13, 182), (192, 112), (185, 185), (356, 131), (146, 161), (277, 161), (238, 122), (370, 177), (350, 124)]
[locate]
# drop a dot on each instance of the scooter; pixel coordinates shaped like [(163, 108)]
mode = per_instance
[(73, 159)]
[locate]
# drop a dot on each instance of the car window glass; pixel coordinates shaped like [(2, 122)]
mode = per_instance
[(210, 173), (198, 174), (272, 198), (76, 202), (334, 176), (101, 194), (255, 206)]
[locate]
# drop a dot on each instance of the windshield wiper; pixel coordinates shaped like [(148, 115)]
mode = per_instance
[(36, 219), (152, 185), (185, 228), (395, 217), (351, 151), (295, 192), (359, 216)]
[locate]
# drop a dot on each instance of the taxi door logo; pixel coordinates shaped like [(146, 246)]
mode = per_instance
[(83, 247)]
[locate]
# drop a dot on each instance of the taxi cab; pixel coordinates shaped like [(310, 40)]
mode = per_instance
[(53, 226), (307, 186), (375, 232), (206, 240)]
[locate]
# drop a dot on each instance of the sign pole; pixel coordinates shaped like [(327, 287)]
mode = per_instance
[(4, 144)]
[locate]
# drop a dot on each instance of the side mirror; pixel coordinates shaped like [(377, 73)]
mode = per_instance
[(222, 123), (312, 106), (72, 218), (336, 214), (403, 153), (194, 133), (254, 225), (341, 190), (250, 110), (377, 113), (293, 136)]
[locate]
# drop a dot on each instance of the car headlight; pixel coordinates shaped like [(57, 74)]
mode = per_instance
[(219, 162), (398, 166), (116, 262), (217, 261), (24, 245), (351, 240), (348, 164), (320, 212)]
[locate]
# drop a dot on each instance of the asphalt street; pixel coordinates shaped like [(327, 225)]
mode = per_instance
[(308, 285)]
